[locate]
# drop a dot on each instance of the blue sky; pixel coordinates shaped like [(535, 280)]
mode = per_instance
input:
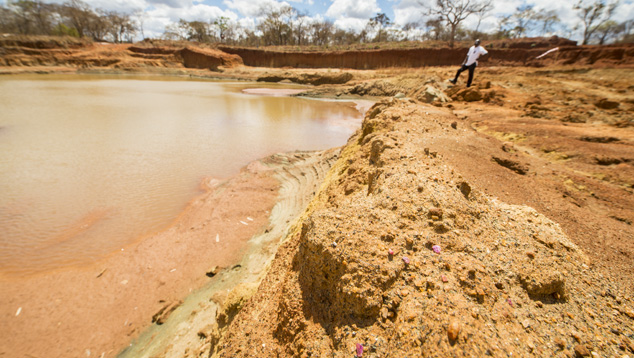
[(348, 14)]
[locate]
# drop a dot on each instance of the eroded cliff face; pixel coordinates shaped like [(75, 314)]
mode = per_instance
[(50, 51), (401, 255), (520, 52)]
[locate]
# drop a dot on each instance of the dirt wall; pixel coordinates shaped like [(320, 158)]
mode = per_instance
[(421, 57), (208, 59)]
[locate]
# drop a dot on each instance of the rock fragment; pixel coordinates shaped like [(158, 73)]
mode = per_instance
[(581, 351), (453, 330), (605, 103)]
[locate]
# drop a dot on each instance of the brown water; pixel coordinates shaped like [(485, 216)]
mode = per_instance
[(90, 164)]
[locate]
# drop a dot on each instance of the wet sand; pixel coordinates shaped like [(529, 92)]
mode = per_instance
[(96, 310)]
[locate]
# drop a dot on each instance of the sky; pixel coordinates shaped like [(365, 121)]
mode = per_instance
[(347, 14)]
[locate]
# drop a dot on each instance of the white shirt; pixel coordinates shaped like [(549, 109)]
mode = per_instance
[(474, 53)]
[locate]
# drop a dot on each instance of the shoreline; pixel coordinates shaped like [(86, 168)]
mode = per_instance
[(95, 310), (202, 313)]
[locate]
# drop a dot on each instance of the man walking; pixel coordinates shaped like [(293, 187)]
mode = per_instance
[(470, 62)]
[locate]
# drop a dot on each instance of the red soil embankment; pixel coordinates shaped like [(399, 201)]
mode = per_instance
[(208, 59), (617, 55)]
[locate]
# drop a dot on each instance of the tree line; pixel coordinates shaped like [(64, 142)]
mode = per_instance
[(72, 18), (287, 26)]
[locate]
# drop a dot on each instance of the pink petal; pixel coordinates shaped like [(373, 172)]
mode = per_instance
[(436, 249), (359, 350), (390, 252), (405, 259)]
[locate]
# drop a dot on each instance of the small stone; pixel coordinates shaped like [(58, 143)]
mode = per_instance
[(435, 212), (453, 330), (212, 272), (581, 351), (443, 278), (604, 103), (480, 294), (384, 312), (559, 342), (465, 189), (454, 125)]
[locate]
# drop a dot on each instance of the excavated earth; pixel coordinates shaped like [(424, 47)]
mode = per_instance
[(494, 220), (407, 252)]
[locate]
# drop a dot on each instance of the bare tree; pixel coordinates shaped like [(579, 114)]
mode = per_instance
[(321, 32), (79, 16), (503, 31), (524, 19), (435, 29), (31, 17), (225, 28), (119, 25), (546, 21), (454, 12), (487, 6), (609, 30), (198, 31), (301, 22), (378, 23), (275, 27), (628, 32), (409, 28), (140, 18), (593, 16)]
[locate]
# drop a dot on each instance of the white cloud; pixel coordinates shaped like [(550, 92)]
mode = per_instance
[(624, 12), (251, 8), (160, 16), (408, 11), (126, 6), (171, 3), (198, 12), (353, 9), (352, 14)]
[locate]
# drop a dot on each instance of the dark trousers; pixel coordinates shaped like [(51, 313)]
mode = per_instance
[(471, 71)]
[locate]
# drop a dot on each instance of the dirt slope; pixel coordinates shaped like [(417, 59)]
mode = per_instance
[(403, 255), (149, 56), (31, 52)]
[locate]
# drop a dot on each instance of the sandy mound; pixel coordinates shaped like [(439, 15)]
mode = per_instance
[(404, 257)]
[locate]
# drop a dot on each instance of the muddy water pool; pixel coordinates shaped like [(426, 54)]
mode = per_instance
[(88, 164)]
